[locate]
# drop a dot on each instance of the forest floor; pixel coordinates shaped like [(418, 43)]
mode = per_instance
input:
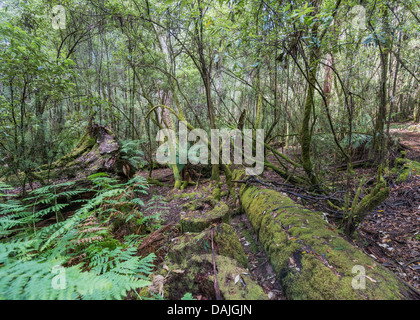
[(260, 268), (390, 234)]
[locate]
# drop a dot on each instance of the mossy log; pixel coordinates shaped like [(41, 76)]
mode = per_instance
[(195, 219), (188, 266), (312, 260)]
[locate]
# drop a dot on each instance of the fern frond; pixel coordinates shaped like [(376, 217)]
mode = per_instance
[(38, 280)]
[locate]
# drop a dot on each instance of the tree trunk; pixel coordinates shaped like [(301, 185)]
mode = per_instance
[(305, 131), (416, 113), (379, 138)]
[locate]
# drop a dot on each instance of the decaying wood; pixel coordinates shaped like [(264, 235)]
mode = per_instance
[(153, 238), (97, 151)]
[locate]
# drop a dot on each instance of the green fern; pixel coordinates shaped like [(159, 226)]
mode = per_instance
[(130, 151), (97, 266), (35, 280)]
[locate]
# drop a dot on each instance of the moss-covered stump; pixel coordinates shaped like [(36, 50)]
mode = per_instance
[(201, 213), (97, 151), (311, 259), (405, 168), (189, 266)]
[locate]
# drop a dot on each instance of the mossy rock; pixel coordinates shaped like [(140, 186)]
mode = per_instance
[(188, 245), (189, 275), (195, 220), (235, 282), (228, 244), (312, 260), (200, 204)]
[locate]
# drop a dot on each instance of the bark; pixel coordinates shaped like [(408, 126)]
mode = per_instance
[(416, 113), (305, 131), (379, 138)]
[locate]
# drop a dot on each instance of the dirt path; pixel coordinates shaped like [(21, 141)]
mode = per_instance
[(409, 136)]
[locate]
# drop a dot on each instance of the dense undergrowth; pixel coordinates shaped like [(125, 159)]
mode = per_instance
[(90, 255)]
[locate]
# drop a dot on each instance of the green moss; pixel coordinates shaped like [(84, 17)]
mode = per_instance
[(196, 221), (177, 184), (312, 260), (409, 169), (64, 165), (228, 244), (199, 203), (189, 245), (184, 185), (405, 168), (184, 195), (217, 193), (252, 244), (109, 243), (84, 144), (190, 266), (195, 275), (155, 182), (238, 174), (144, 292), (244, 289), (359, 210)]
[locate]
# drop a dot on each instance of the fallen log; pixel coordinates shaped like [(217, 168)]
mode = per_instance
[(196, 261), (312, 260)]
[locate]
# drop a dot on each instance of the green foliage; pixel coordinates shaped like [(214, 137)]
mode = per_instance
[(358, 140), (188, 296), (80, 252), (15, 213), (130, 150), (35, 279), (32, 78)]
